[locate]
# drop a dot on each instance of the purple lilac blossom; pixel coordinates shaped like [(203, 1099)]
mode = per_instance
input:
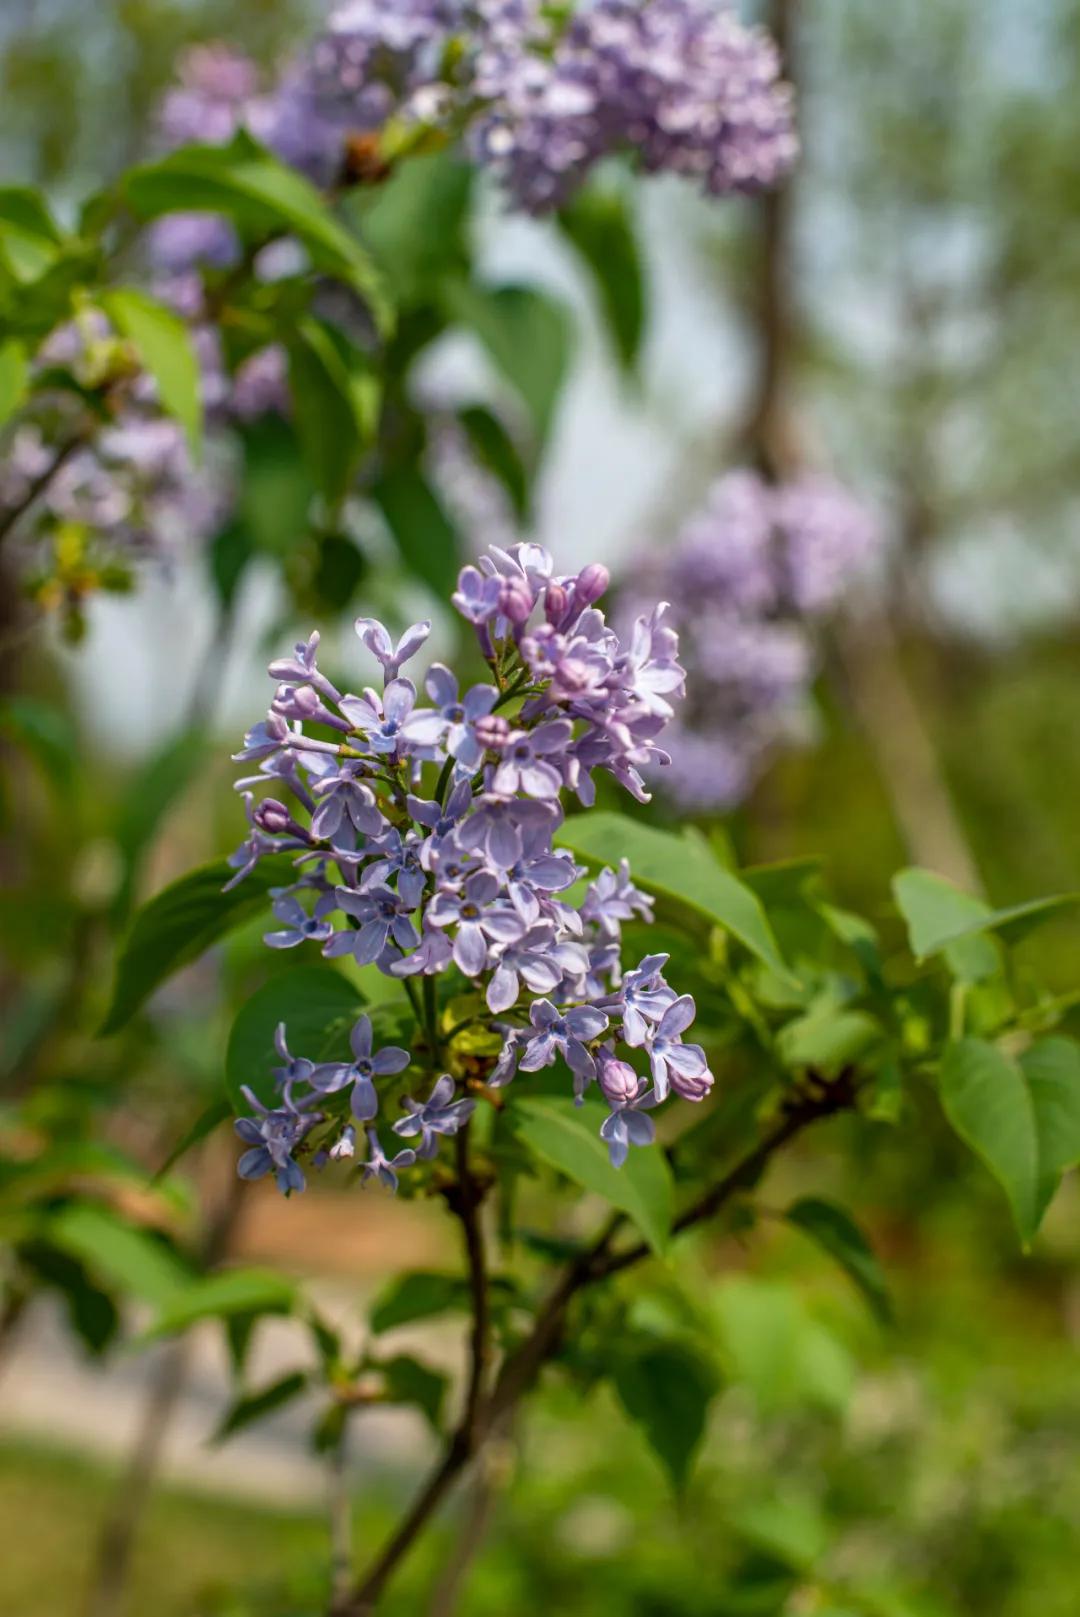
[(425, 832), (749, 577)]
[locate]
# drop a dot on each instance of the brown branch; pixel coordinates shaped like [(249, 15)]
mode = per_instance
[(596, 1263), (464, 1201)]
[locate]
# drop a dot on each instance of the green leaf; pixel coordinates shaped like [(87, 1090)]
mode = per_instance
[(423, 532), (497, 453), (989, 1104), (774, 1345), (527, 335), (14, 378), (151, 794), (118, 1253), (318, 1006), (666, 1387), (207, 1121), (680, 866), (415, 221), (598, 225), (410, 1382), (837, 1233), (418, 1295), (255, 1406), (788, 1527), (180, 923), (46, 732), (939, 915), (335, 400), (1052, 1070), (567, 1137), (30, 242), (22, 206), (163, 343), (828, 1039), (232, 1294), (263, 198), (277, 489)]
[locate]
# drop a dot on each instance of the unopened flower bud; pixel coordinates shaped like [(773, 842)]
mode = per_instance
[(591, 583), (556, 602), (492, 731), (345, 1146), (273, 816), (515, 601), (618, 1080)]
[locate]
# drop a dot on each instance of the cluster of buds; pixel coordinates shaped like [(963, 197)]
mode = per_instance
[(424, 840)]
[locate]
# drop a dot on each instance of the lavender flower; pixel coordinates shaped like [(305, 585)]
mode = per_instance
[(383, 1168), (676, 1065), (439, 1114), (365, 1066)]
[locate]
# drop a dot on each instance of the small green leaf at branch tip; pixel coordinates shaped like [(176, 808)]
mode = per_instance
[(164, 346), (836, 1232), (567, 1138), (255, 1406), (681, 866)]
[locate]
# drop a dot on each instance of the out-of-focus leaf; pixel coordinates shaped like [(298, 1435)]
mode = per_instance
[(118, 1253), (335, 400), (410, 1382), (774, 1345), (152, 792), (46, 732), (567, 1137), (939, 915), (318, 1006), (526, 333), (1052, 1070), (666, 1387), (14, 378), (236, 1292), (163, 343), (263, 198), (599, 226), (421, 1294), (838, 1234), (277, 488), (788, 1527), (684, 868), (828, 1039), (989, 1104), (207, 1121), (497, 453), (414, 222), (255, 1406), (180, 923), (422, 531)]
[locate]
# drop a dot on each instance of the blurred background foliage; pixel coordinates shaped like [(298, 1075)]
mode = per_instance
[(931, 322)]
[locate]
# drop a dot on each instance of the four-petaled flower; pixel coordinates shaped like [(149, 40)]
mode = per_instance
[(479, 923), (562, 1033), (524, 765), (272, 1137), (361, 1070), (439, 1114), (452, 721), (676, 1065), (376, 638), (381, 721), (383, 1168)]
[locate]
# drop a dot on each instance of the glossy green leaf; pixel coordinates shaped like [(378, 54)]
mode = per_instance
[(263, 198), (178, 924), (527, 335), (837, 1233), (598, 224), (163, 343), (231, 1294), (666, 1387), (14, 378), (567, 1137), (318, 1006), (684, 868)]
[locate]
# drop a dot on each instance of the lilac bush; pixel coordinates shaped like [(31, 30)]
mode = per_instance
[(425, 843), (749, 577)]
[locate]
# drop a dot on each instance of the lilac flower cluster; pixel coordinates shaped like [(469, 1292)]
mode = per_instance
[(680, 84), (749, 577), (423, 835), (540, 95)]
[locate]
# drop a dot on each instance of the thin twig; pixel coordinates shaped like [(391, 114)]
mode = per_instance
[(520, 1370), (10, 518)]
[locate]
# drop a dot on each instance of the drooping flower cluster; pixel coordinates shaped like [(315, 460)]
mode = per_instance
[(424, 841), (749, 577)]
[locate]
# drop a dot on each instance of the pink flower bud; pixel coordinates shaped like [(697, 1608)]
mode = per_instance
[(492, 731), (591, 583), (556, 602), (272, 816), (515, 601), (618, 1080)]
